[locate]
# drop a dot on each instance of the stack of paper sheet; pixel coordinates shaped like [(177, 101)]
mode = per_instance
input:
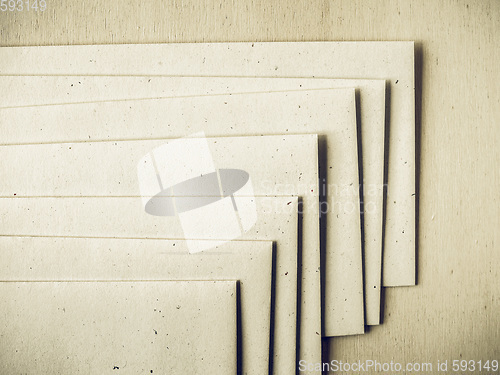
[(286, 168)]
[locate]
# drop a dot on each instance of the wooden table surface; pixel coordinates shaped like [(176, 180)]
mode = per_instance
[(454, 312)]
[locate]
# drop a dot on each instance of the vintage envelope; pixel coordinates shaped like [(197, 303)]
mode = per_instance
[(164, 327), (290, 169), (331, 113), (393, 61), (106, 259), (277, 220), (44, 90)]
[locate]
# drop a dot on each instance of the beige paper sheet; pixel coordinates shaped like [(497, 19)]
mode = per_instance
[(331, 113), (166, 327), (376, 60), (104, 259), (111, 217), (287, 159), (44, 90)]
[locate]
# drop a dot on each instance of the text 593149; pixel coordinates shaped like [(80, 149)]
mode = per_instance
[(23, 5)]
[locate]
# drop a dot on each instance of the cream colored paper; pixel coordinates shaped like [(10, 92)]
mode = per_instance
[(40, 90), (124, 217), (376, 60), (165, 327), (287, 159), (329, 112), (101, 259)]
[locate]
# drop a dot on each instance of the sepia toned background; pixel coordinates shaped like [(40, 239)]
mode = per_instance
[(454, 312)]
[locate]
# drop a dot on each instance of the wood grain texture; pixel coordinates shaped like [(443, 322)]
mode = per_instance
[(454, 312)]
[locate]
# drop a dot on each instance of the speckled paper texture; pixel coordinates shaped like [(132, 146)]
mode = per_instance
[(393, 61), (111, 217), (101, 259), (164, 327), (287, 159), (331, 113), (43, 90)]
